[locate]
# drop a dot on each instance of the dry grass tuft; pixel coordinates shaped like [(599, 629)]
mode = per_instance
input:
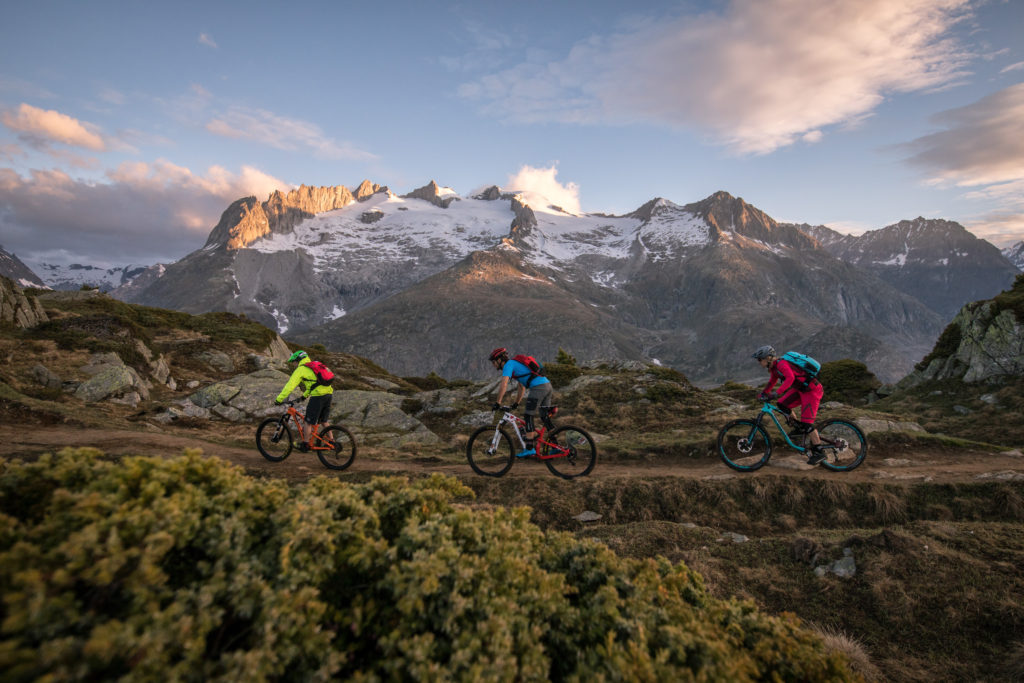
[(888, 506), (837, 641)]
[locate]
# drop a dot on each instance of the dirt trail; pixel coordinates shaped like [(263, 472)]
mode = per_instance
[(898, 466)]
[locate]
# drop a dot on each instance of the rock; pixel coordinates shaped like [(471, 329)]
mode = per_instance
[(962, 410), (218, 360), (44, 376), (733, 536), (229, 413), (587, 516), (208, 397), (439, 401), (869, 425), (192, 384), (379, 412), (897, 462), (844, 567), (112, 381), (1008, 475), (380, 383), (17, 308)]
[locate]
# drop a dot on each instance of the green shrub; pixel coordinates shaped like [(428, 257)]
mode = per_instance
[(848, 381), (560, 374), (187, 569), (946, 345)]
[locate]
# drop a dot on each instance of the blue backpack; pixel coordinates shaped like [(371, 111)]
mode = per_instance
[(810, 366)]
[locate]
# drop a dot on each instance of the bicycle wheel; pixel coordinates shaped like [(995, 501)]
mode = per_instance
[(574, 450), (336, 447), (844, 443), (744, 445), (274, 439), (489, 451)]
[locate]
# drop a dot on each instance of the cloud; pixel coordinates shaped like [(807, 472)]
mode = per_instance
[(540, 189), (205, 39), (1013, 67), (42, 127), (145, 212), (756, 77), (282, 133), (981, 144)]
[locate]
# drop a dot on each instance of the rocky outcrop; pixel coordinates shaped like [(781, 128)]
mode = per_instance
[(1015, 255), (18, 309), (111, 379), (984, 343), (375, 417)]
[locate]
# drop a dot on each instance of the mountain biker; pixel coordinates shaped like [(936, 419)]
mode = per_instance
[(539, 397), (796, 388), (319, 395)]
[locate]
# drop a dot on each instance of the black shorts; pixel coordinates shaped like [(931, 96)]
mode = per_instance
[(318, 409)]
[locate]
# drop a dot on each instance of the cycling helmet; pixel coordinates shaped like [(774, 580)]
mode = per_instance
[(497, 353), (764, 352), (297, 356)]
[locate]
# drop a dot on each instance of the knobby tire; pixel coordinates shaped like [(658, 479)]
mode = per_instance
[(744, 445), (274, 439), (581, 453), (490, 464), (848, 458), (344, 451)]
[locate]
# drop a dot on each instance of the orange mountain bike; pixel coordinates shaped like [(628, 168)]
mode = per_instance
[(333, 444), (568, 451)]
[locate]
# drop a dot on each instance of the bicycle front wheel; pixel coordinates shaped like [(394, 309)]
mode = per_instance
[(574, 451), (489, 451), (844, 444), (744, 445), (274, 439), (336, 447)]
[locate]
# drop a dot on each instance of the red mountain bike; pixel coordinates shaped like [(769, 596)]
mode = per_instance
[(568, 451)]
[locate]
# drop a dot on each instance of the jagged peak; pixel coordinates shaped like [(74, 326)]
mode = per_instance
[(433, 193)]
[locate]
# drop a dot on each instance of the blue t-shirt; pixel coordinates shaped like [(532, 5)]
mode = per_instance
[(521, 373)]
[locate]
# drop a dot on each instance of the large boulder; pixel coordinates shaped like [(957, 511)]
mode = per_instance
[(378, 417), (111, 379)]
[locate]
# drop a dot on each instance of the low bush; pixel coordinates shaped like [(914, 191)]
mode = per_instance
[(848, 381), (187, 569)]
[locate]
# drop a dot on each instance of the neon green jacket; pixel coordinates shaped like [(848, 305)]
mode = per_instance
[(308, 379)]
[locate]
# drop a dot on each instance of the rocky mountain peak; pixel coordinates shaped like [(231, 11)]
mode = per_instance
[(366, 190), (12, 267), (1015, 255), (18, 309), (727, 215), (433, 193)]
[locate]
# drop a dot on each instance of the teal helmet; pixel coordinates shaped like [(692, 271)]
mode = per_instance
[(297, 356)]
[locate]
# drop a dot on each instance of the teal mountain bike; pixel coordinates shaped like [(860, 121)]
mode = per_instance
[(745, 445)]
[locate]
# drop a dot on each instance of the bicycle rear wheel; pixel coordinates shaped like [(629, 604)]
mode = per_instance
[(844, 444), (576, 453), (744, 445), (336, 447), (489, 451), (274, 439)]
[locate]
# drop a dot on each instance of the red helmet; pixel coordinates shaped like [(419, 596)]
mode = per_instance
[(497, 353)]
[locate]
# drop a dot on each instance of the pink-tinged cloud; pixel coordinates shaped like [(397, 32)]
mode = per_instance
[(147, 212), (267, 128), (981, 144), (42, 127), (755, 77)]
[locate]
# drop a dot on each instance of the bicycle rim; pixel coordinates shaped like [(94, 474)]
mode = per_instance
[(336, 447), (489, 451), (575, 453), (274, 439), (744, 445), (844, 443)]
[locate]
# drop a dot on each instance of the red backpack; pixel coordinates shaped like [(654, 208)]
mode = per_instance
[(536, 369), (323, 374)]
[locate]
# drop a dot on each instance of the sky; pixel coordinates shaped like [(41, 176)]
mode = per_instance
[(126, 128)]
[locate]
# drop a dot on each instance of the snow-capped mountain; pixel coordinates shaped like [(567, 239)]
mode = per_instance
[(12, 267), (1015, 255), (937, 261), (421, 282), (75, 276)]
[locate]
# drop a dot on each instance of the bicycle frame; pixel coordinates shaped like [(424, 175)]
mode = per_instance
[(316, 441), (550, 450), (770, 410)]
